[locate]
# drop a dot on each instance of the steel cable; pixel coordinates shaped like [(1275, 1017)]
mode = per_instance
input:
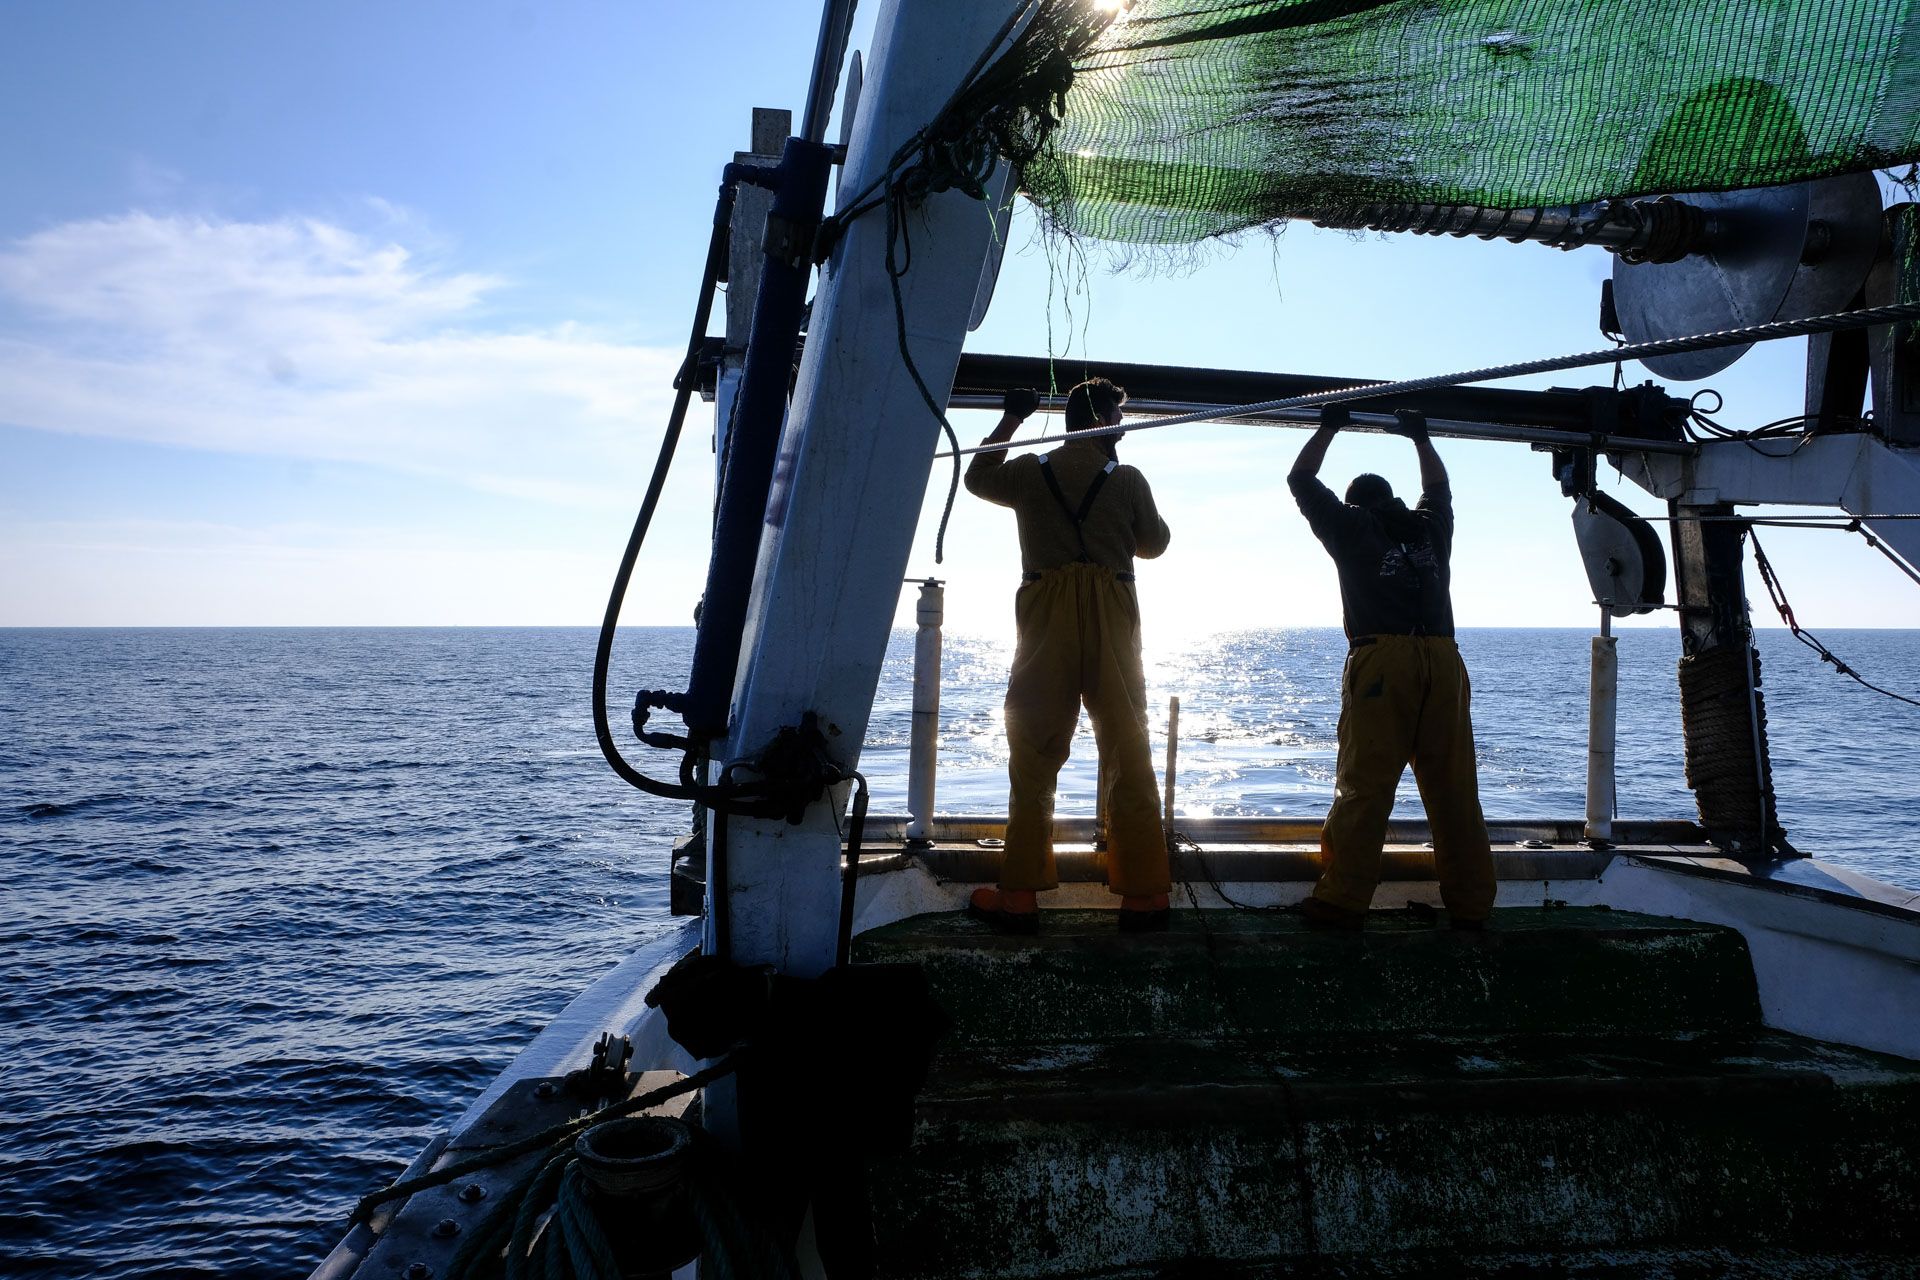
[(1779, 597), (1865, 318)]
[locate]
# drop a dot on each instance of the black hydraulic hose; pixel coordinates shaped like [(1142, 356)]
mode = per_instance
[(850, 870), (683, 385)]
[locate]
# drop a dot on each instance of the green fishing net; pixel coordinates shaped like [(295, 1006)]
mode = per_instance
[(1185, 119)]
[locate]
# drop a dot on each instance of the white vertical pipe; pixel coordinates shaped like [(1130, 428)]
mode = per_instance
[(1173, 754), (924, 745), (1603, 696)]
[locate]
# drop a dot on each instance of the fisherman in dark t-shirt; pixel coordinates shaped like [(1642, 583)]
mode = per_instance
[(1404, 695)]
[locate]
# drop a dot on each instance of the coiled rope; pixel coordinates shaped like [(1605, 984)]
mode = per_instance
[(572, 1245), (565, 1131), (545, 1228)]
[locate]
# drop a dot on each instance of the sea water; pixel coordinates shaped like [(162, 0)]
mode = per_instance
[(278, 903)]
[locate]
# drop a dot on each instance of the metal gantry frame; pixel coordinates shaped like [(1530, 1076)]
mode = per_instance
[(839, 516)]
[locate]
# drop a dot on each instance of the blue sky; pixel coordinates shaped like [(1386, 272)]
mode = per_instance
[(345, 313)]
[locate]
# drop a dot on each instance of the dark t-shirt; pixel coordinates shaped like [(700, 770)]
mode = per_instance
[(1393, 582)]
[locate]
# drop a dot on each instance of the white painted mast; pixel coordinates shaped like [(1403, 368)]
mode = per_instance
[(854, 464)]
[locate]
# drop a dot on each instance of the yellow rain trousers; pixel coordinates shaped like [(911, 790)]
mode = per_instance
[(1406, 699), (1079, 629)]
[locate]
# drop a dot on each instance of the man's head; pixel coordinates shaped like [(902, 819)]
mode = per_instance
[(1094, 403), (1369, 490)]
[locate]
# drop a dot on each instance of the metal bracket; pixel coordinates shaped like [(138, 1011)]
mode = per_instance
[(791, 242), (791, 772), (606, 1076)]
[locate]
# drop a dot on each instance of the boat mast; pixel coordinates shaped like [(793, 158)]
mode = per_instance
[(855, 457)]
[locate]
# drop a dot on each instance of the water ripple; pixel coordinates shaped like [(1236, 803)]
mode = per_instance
[(281, 902)]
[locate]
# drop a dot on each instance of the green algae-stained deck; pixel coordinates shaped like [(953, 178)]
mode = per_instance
[(1576, 1083), (1232, 972)]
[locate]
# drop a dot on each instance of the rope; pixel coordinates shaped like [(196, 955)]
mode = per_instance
[(564, 1131), (1861, 319), (526, 1215), (1779, 597), (1723, 721), (897, 230), (546, 1227)]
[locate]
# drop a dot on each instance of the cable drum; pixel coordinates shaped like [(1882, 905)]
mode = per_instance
[(1779, 253)]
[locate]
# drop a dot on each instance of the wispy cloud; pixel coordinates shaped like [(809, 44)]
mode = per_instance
[(143, 572), (305, 338)]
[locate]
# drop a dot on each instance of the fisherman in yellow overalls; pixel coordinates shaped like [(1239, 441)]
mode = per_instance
[(1404, 695), (1082, 518)]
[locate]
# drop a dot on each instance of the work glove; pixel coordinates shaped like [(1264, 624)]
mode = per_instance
[(1335, 416), (1020, 403), (1412, 424)]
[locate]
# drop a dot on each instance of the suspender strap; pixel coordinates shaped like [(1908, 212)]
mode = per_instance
[(1079, 517)]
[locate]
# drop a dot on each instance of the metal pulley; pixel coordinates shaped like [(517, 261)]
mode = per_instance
[(1626, 565), (1769, 253)]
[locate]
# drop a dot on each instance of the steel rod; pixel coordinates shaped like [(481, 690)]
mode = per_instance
[(1868, 317), (1374, 422)]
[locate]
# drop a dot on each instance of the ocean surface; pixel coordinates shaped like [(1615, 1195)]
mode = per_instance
[(278, 903)]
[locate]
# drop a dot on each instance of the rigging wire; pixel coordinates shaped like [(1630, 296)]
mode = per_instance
[(1802, 520), (1779, 597), (1842, 524), (1835, 322), (1897, 561)]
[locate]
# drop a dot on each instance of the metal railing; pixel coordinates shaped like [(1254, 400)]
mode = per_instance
[(1600, 826)]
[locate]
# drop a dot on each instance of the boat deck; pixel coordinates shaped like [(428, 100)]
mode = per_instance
[(1249, 1091)]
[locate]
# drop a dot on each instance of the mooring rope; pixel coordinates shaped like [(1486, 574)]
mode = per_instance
[(544, 1228), (546, 1137), (1833, 323)]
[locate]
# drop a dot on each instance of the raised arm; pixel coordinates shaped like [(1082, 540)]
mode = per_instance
[(1015, 408), (1314, 452), (1328, 517), (986, 474), (1413, 425)]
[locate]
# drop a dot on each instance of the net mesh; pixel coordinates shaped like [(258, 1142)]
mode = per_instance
[(1185, 119)]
